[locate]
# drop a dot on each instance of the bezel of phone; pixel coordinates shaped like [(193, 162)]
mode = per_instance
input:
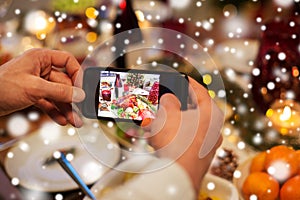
[(169, 82)]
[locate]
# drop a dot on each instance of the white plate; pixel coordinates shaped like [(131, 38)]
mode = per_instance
[(218, 188), (212, 185), (25, 162), (243, 171)]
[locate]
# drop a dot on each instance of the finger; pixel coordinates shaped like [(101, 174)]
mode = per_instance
[(72, 117), (57, 92), (198, 94), (59, 59), (52, 111), (167, 121), (60, 77), (169, 102), (69, 62)]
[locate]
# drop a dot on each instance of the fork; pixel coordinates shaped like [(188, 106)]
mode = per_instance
[(8, 144)]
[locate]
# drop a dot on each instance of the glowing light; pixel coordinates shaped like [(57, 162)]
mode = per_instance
[(212, 93), (237, 174), (284, 3), (295, 71), (71, 131), (10, 154), (281, 56), (207, 79), (113, 48), (110, 124), (206, 25), (126, 41), (70, 157), (38, 22), (241, 145), (50, 131), (17, 11), (229, 10), (257, 139), (103, 8), (91, 37), (210, 186), (271, 86), (280, 170), (258, 19), (179, 4), (17, 125), (90, 170), (221, 93), (15, 181), (198, 24), (24, 146), (59, 197), (91, 13), (253, 197), (154, 64), (118, 25), (33, 116), (286, 114)]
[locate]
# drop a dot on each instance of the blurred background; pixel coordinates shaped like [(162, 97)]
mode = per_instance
[(253, 46)]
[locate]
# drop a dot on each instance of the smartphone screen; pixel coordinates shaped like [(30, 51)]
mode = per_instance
[(128, 95)]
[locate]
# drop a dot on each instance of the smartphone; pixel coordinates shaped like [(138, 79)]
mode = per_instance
[(129, 94)]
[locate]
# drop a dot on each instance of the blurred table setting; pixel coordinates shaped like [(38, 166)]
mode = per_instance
[(246, 52)]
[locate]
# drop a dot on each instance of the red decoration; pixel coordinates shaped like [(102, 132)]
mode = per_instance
[(278, 62)]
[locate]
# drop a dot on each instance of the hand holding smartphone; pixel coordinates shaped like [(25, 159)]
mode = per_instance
[(129, 94)]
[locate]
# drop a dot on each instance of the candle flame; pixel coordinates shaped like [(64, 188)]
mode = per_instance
[(286, 114)]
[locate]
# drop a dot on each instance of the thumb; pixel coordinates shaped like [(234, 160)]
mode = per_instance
[(61, 93), (169, 102)]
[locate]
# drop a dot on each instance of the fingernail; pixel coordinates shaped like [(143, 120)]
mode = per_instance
[(78, 94)]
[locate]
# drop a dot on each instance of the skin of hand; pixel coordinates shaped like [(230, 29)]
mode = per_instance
[(195, 123), (37, 78)]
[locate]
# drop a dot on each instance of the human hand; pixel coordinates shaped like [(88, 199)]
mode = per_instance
[(190, 137), (34, 78)]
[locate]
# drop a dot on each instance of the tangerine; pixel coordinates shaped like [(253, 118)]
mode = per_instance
[(260, 185), (258, 162), (290, 189), (298, 158), (281, 162)]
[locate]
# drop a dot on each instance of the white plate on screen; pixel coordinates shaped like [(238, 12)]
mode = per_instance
[(26, 161)]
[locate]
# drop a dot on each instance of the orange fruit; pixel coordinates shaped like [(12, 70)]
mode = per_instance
[(258, 162), (260, 185), (298, 158), (281, 162), (290, 189)]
